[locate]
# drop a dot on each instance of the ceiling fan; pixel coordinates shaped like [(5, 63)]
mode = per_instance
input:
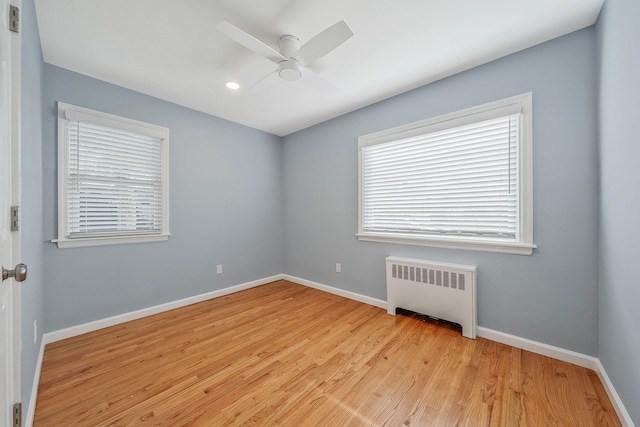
[(293, 59)]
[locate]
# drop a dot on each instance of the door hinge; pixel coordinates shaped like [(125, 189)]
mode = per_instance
[(17, 415), (15, 218), (14, 19)]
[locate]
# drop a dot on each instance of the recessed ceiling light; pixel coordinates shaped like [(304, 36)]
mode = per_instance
[(232, 85)]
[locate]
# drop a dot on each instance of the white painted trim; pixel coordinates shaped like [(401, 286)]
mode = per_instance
[(569, 356), (523, 244), (623, 415), (127, 317), (468, 244), (336, 291), (71, 112), (13, 118), (33, 399), (108, 240)]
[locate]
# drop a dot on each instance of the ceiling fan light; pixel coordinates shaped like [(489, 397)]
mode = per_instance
[(290, 70), (232, 85), (290, 74)]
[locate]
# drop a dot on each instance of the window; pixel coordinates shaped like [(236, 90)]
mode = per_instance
[(113, 179), (462, 180)]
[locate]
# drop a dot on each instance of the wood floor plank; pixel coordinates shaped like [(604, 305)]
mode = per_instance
[(287, 355)]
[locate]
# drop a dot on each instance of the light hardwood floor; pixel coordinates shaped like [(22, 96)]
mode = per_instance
[(287, 355)]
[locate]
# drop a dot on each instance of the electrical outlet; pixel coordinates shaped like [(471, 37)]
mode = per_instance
[(338, 267), (219, 269), (35, 331)]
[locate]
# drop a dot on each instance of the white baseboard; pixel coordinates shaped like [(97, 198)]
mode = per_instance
[(569, 356), (336, 291), (624, 416), (127, 317), (33, 399)]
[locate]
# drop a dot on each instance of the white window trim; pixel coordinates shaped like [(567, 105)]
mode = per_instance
[(67, 111), (517, 104)]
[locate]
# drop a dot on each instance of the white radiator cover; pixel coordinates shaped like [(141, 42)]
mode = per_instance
[(441, 290)]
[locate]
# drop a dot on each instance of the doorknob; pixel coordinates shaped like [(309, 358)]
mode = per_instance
[(20, 273)]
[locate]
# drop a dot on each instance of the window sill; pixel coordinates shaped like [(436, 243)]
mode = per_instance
[(480, 245), (115, 240)]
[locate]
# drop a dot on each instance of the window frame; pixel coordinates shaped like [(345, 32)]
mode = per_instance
[(523, 244), (119, 123)]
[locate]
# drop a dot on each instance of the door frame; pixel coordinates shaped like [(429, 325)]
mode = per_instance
[(16, 187)]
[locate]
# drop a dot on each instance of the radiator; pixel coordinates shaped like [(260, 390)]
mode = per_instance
[(443, 291)]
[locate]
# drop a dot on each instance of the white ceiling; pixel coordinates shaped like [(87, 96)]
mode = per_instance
[(171, 49)]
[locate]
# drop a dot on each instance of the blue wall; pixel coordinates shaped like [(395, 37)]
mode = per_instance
[(225, 208), (618, 36), (262, 205), (32, 235), (551, 296)]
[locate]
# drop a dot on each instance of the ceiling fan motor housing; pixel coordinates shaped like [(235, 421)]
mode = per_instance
[(288, 45)]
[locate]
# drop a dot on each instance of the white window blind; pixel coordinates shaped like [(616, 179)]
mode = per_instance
[(460, 181), (114, 181), (113, 178)]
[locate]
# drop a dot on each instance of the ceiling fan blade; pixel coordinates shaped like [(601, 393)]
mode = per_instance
[(250, 42), (323, 43), (270, 76), (315, 81)]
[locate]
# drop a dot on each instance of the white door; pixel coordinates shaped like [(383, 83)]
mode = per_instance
[(9, 195)]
